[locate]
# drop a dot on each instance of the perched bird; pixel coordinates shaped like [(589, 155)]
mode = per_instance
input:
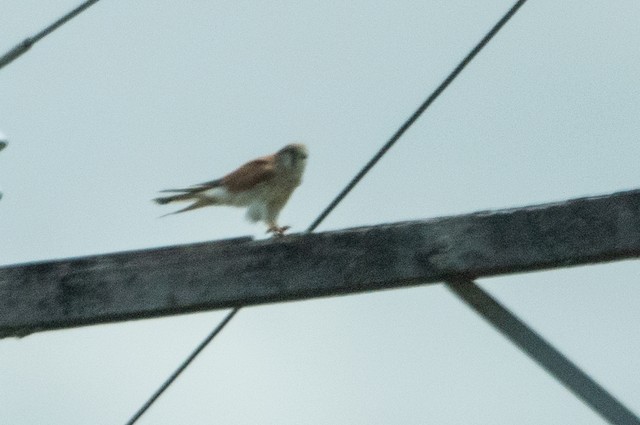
[(263, 185)]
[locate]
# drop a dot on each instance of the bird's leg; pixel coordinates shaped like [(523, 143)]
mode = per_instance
[(277, 230)]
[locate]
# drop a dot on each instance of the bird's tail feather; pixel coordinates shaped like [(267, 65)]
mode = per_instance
[(190, 194), (167, 199), (198, 204), (196, 188), (176, 191)]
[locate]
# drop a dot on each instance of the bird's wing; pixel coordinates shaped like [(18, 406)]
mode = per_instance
[(243, 178), (250, 174)]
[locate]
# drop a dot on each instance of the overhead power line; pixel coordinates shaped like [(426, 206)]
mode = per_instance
[(378, 155), (28, 42), (405, 126), (183, 366)]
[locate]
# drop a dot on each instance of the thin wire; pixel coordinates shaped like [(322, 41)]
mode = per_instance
[(348, 188), (417, 114), (183, 366), (28, 42)]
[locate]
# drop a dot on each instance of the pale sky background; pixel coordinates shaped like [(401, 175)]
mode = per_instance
[(133, 97)]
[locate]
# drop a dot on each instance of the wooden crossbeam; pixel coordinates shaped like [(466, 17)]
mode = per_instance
[(242, 272)]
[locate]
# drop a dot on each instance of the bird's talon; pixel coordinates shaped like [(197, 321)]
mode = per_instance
[(278, 231)]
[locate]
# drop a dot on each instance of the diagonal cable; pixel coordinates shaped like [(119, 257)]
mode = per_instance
[(183, 366), (28, 42), (554, 362), (349, 186), (373, 161)]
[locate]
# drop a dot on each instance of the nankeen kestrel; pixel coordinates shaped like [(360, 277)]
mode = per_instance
[(263, 186)]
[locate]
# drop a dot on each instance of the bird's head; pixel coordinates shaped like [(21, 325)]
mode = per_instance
[(293, 155)]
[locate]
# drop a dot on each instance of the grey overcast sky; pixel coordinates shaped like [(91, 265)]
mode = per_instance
[(133, 97)]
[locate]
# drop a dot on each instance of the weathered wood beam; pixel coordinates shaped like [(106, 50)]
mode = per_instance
[(241, 272)]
